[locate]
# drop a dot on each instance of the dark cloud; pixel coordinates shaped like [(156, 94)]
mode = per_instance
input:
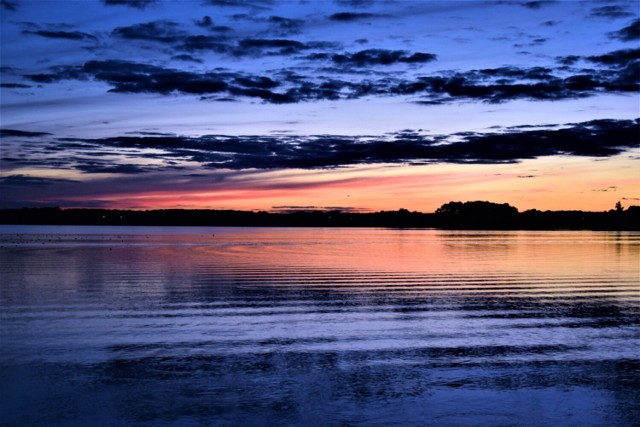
[(159, 31), (14, 85), (294, 207), (39, 190), (377, 57), (243, 17), (256, 82), (249, 47), (150, 133), (258, 5), (169, 32), (535, 5), (260, 47), (138, 78), (101, 167), (628, 33), (205, 43), (311, 208), (614, 72), (187, 58), (597, 138), (618, 58), (149, 162), (220, 29), (129, 77), (285, 26), (7, 69), (568, 60), (225, 3), (353, 16), (207, 22), (271, 46), (136, 4), (354, 3), (504, 84), (610, 11), (506, 73), (69, 35), (9, 5), (21, 133), (25, 180)]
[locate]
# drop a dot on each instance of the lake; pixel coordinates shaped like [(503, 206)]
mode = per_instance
[(173, 326)]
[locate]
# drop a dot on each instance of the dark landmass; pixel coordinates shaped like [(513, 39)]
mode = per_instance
[(477, 215)]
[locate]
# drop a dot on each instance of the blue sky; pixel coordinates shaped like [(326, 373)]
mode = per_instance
[(256, 104)]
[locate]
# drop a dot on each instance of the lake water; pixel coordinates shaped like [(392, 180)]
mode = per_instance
[(187, 326)]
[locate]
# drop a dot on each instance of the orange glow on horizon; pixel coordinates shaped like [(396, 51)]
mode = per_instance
[(544, 184)]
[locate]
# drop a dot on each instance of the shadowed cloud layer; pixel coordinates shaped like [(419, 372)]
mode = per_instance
[(145, 153), (616, 72)]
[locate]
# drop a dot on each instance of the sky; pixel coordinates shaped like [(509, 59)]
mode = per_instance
[(355, 105)]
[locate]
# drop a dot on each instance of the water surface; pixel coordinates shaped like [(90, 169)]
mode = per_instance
[(259, 326)]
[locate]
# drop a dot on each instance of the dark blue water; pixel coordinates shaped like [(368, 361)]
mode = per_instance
[(346, 327)]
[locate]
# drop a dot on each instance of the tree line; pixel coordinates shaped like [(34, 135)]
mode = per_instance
[(474, 215)]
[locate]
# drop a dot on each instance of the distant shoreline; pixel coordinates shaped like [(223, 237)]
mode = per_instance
[(477, 215)]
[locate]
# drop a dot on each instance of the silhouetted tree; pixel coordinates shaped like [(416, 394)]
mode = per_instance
[(619, 207), (478, 214)]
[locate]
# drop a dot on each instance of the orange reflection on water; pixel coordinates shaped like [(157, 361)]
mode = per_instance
[(433, 250)]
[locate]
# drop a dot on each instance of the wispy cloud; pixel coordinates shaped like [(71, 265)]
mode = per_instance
[(610, 12), (68, 35), (136, 4), (257, 5), (5, 133)]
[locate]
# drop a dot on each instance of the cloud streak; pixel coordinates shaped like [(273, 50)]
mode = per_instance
[(610, 12), (6, 133), (354, 16), (135, 4), (147, 153), (68, 35)]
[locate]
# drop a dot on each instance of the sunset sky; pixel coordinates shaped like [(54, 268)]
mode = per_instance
[(349, 104)]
